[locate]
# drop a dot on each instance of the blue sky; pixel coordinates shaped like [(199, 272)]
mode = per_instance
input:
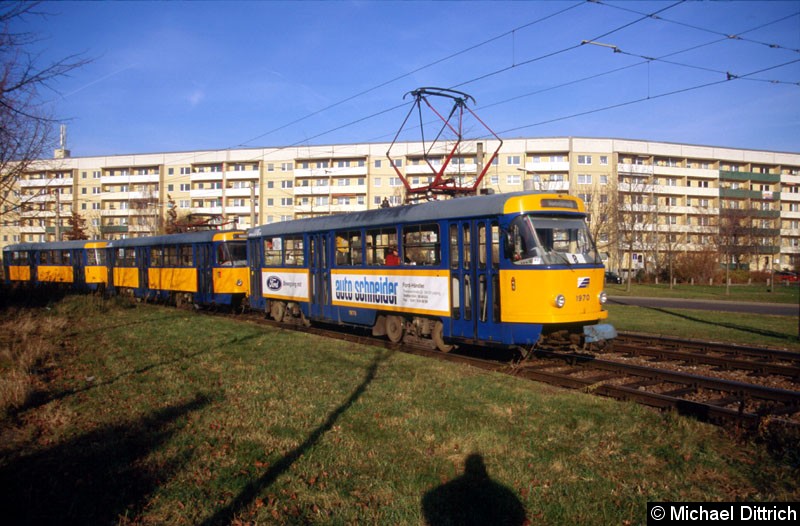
[(177, 76)]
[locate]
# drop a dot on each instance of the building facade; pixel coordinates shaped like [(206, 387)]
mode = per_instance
[(648, 200)]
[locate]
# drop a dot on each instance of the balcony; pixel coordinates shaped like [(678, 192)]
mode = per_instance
[(126, 196), (32, 230), (357, 171), (237, 192), (213, 192), (547, 167), (206, 176), (49, 183), (240, 175), (638, 169), (677, 171), (130, 179), (111, 229), (727, 175), (739, 193)]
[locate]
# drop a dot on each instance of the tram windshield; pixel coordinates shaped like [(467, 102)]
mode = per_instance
[(232, 254), (551, 241)]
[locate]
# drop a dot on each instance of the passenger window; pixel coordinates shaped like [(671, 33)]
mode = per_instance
[(272, 251), (155, 257), (421, 245), (349, 248), (294, 251), (379, 242), (467, 247), (481, 246), (185, 252), (65, 257), (454, 252), (495, 245), (171, 256)]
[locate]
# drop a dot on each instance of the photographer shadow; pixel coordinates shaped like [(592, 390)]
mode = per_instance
[(472, 499)]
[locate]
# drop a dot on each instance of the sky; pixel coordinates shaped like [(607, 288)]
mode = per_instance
[(182, 76)]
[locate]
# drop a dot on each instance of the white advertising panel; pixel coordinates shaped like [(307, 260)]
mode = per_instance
[(422, 293), (281, 284)]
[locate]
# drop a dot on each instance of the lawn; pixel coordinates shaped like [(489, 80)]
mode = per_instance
[(119, 414), (751, 293)]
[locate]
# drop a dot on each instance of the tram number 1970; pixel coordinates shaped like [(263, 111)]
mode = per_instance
[(582, 297)]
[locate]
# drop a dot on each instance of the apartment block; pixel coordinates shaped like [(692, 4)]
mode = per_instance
[(648, 200)]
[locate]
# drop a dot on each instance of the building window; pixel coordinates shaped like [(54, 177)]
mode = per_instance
[(584, 179), (513, 179), (513, 160), (604, 160), (584, 159)]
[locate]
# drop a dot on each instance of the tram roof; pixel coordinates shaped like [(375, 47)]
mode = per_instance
[(462, 207), (53, 245), (186, 238)]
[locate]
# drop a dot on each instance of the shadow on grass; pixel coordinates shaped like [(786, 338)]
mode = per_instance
[(473, 499), (40, 397), (742, 328), (253, 489), (94, 478)]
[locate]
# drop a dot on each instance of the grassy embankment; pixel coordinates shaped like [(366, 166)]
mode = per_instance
[(745, 329), (158, 416)]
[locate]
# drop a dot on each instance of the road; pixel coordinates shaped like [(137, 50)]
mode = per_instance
[(775, 309)]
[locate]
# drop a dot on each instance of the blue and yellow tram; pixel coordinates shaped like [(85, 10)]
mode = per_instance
[(503, 269), (203, 268), (79, 265)]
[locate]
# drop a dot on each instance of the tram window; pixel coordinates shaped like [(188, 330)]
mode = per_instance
[(19, 258), (43, 259), (495, 244), (342, 248), (467, 249), (294, 251), (65, 257), (272, 251), (421, 245), (349, 248), (496, 298), (454, 249), (156, 259), (481, 246), (356, 248), (185, 255), (378, 243), (95, 257), (171, 256), (126, 257)]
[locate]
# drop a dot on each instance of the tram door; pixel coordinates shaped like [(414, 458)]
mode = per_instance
[(319, 276), (255, 261), (78, 259), (475, 277), (205, 271), (142, 260)]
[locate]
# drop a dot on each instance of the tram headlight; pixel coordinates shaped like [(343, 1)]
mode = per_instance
[(603, 297), (560, 301)]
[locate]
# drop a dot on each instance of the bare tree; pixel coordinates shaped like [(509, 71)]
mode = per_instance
[(27, 128)]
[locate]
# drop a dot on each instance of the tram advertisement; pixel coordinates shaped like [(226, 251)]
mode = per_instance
[(424, 292), (285, 283)]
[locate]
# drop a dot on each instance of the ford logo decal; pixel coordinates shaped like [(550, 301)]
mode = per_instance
[(274, 283)]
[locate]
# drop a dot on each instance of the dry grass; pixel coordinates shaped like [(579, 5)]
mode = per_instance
[(28, 341)]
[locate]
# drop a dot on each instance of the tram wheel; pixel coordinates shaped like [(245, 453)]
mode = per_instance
[(438, 338), (394, 328), (277, 310)]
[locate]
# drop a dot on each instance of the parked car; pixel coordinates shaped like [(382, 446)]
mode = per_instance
[(613, 277), (786, 276)]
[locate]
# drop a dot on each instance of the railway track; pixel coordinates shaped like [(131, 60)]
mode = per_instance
[(722, 401)]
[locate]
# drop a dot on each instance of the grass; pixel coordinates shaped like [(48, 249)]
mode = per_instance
[(781, 332), (750, 293), (153, 415)]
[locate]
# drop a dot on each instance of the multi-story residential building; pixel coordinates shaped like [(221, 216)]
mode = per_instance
[(648, 200)]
